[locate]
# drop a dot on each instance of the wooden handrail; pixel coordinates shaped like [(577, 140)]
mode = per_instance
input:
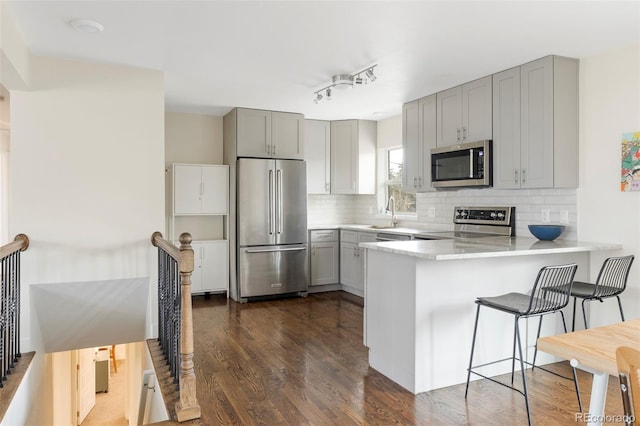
[(20, 243), (158, 241), (187, 408)]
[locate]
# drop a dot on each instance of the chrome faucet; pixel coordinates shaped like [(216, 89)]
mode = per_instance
[(391, 205)]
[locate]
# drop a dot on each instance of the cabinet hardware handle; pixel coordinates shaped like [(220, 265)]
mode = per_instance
[(273, 149), (515, 176), (458, 134), (415, 182), (464, 133), (524, 175), (420, 182), (268, 149)]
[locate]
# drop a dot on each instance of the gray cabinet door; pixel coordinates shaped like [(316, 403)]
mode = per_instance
[(506, 129), (476, 110), (317, 152), (411, 146), (325, 261), (537, 124), (256, 195), (427, 139), (291, 201), (344, 157), (287, 139), (254, 133), (449, 114)]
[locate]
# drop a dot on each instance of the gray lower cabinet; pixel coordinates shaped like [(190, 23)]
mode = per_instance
[(325, 257), (352, 260)]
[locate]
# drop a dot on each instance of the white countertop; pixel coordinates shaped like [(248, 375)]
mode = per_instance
[(475, 248)]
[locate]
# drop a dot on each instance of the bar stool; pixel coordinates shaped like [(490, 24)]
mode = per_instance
[(550, 294), (611, 281)]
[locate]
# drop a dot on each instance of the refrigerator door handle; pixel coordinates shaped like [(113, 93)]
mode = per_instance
[(271, 202), (280, 205), (270, 250)]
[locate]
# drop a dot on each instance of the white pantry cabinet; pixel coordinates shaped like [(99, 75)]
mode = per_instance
[(353, 157), (464, 113), (269, 134), (317, 152), (325, 256), (211, 266), (200, 202), (535, 124), (200, 189), (418, 138)]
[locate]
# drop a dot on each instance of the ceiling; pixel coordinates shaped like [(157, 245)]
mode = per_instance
[(275, 55)]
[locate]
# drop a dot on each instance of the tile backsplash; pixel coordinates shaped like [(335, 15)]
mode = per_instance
[(435, 209)]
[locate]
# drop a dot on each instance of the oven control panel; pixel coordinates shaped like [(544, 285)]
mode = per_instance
[(484, 215)]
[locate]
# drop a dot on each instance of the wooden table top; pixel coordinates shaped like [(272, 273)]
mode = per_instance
[(596, 347)]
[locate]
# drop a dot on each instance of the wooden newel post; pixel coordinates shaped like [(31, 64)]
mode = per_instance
[(188, 407)]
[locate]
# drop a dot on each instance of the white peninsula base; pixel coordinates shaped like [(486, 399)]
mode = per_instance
[(420, 310)]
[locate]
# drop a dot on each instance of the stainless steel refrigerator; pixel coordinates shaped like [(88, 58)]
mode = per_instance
[(271, 227)]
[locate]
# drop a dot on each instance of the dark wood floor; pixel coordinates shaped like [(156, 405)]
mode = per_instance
[(301, 361)]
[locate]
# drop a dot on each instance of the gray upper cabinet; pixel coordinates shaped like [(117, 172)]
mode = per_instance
[(317, 152), (464, 113), (418, 138), (545, 152), (411, 146), (506, 129), (269, 134), (353, 157)]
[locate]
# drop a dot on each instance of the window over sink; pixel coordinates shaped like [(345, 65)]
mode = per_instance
[(394, 172)]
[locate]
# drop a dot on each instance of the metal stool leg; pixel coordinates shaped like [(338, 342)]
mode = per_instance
[(524, 378), (573, 320), (535, 351), (573, 369), (513, 354), (473, 345), (584, 314), (620, 306)]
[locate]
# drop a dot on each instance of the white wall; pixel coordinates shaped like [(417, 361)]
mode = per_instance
[(609, 107), (86, 184)]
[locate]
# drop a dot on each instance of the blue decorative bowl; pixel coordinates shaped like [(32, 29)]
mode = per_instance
[(546, 232)]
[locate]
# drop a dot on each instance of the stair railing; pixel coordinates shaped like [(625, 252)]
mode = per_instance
[(175, 319), (10, 304)]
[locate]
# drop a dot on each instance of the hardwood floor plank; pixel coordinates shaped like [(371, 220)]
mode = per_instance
[(301, 361)]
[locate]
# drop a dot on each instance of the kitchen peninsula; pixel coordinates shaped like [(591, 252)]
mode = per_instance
[(420, 310)]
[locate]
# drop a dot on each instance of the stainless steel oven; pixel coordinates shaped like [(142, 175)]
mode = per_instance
[(464, 165)]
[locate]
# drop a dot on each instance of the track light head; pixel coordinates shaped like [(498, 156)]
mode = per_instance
[(328, 93), (371, 75)]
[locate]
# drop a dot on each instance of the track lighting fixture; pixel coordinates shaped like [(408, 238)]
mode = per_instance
[(343, 81)]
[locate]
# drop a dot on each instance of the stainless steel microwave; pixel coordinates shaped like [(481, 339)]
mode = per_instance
[(464, 165)]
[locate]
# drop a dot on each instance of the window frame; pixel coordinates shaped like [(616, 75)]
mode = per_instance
[(386, 183)]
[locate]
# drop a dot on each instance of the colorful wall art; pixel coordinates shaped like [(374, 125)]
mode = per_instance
[(630, 173)]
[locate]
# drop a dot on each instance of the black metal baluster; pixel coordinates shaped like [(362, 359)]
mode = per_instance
[(3, 320)]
